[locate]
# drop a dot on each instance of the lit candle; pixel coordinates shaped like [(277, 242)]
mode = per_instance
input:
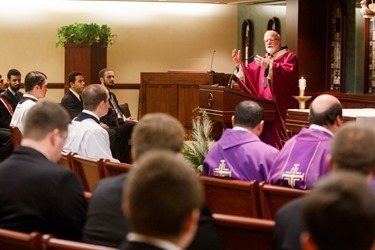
[(302, 86)]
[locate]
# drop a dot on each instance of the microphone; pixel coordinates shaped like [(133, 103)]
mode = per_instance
[(212, 61), (231, 81)]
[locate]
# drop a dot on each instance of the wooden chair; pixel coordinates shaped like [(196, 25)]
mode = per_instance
[(232, 197), (89, 170), (13, 240), (273, 197), (51, 243), (238, 232), (116, 168), (16, 136), (125, 109), (66, 160)]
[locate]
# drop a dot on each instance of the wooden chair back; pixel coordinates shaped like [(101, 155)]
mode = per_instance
[(13, 240), (66, 160), (89, 170), (125, 109), (238, 232), (232, 197), (16, 136), (116, 168), (273, 197), (51, 243)]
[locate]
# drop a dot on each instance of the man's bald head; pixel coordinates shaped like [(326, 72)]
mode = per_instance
[(325, 110)]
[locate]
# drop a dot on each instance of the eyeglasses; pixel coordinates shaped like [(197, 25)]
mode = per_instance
[(271, 40)]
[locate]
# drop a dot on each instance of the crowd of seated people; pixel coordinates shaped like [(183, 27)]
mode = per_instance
[(84, 125)]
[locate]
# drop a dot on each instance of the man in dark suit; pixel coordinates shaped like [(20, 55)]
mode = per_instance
[(10, 97), (161, 199), (72, 100), (108, 226), (6, 146), (116, 120), (36, 193), (346, 157)]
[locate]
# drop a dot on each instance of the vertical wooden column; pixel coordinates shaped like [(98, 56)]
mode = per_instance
[(87, 59)]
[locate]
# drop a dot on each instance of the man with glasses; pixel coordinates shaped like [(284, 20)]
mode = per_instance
[(273, 76)]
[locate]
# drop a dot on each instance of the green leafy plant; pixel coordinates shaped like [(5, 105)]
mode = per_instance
[(79, 33), (200, 142)]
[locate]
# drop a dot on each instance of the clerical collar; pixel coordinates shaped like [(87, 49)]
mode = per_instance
[(163, 244), (86, 114), (321, 128), (241, 129), (75, 94), (26, 97)]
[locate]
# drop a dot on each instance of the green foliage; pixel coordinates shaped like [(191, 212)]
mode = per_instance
[(200, 141), (79, 33)]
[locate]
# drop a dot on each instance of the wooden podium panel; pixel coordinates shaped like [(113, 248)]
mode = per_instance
[(220, 102), (175, 93)]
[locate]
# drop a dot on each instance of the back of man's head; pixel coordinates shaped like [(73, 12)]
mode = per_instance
[(93, 95), (248, 114), (161, 192), (157, 131), (324, 110), (339, 213), (351, 149), (43, 118), (34, 78)]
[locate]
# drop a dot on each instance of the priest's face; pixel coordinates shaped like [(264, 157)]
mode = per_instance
[(109, 79), (272, 42)]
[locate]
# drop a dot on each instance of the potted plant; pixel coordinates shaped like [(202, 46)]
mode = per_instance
[(85, 49), (81, 33)]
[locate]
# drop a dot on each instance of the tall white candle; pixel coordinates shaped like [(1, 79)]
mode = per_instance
[(302, 86)]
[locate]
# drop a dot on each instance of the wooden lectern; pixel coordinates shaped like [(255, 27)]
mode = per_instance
[(220, 102)]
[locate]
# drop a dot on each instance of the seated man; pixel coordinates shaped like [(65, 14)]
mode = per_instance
[(108, 226), (36, 88), (72, 100), (161, 199), (37, 194), (86, 137), (350, 157), (339, 213), (240, 154), (6, 112), (303, 159)]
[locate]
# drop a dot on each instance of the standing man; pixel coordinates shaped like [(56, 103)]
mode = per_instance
[(240, 154), (36, 88), (86, 136), (303, 159), (72, 100), (116, 119), (37, 194), (273, 76)]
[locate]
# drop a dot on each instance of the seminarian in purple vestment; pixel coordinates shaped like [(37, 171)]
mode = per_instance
[(303, 159), (240, 154)]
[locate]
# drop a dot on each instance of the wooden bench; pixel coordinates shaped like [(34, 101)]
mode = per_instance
[(16, 136), (273, 197), (51, 243), (232, 197), (13, 240), (238, 232), (116, 168)]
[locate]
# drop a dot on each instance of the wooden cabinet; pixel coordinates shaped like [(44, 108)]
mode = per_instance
[(175, 93)]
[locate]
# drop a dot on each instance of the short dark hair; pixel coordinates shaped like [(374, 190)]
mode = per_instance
[(34, 78), (339, 212), (248, 114), (102, 72), (72, 76), (157, 131), (161, 192), (92, 95), (328, 117), (351, 148), (44, 117), (13, 72)]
